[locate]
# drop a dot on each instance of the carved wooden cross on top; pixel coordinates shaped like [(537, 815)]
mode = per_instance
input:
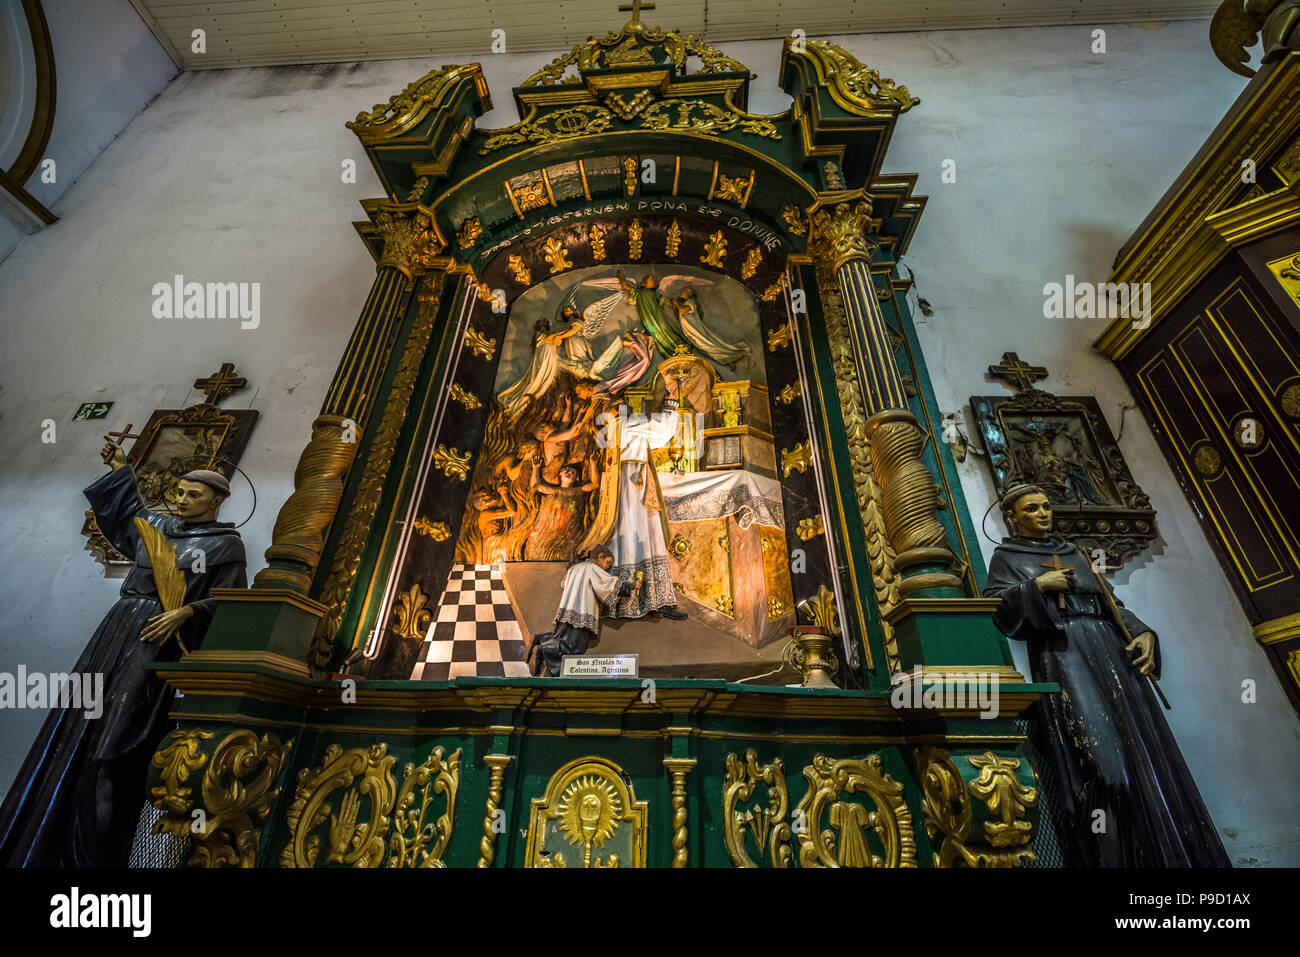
[(1055, 565), (635, 8), (220, 384), (1017, 373)]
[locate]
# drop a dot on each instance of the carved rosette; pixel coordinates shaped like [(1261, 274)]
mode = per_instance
[(982, 813)]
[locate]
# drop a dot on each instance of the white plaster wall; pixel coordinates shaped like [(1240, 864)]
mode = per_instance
[(235, 176), (107, 67)]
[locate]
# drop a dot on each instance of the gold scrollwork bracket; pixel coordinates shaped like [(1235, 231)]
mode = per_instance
[(988, 793), (236, 792)]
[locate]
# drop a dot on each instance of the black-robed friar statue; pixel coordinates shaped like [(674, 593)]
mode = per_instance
[(77, 798), (1104, 734)]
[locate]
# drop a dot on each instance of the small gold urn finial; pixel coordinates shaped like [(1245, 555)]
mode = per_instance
[(809, 650)]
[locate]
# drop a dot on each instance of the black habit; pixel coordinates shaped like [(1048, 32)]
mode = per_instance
[(77, 798), (1104, 734)]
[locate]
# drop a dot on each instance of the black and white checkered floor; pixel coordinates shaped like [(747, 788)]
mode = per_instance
[(475, 632)]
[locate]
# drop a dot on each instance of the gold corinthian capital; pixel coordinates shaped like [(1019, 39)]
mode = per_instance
[(840, 231), (411, 238)]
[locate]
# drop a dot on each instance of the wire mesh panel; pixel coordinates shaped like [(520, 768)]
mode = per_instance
[(159, 851), (1046, 843)]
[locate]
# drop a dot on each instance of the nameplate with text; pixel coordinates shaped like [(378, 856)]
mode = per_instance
[(600, 666)]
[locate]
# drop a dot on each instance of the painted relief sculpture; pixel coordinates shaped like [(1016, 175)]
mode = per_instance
[(1128, 798), (616, 425), (78, 795)]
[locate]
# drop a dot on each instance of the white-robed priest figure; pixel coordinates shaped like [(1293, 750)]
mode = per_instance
[(588, 589), (630, 519)]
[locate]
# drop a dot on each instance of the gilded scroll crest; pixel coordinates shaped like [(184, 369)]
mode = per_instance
[(853, 85), (588, 817), (634, 44), (764, 824), (858, 836), (405, 109)]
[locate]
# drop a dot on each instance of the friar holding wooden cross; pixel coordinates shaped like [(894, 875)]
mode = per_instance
[(1127, 797), (77, 798)]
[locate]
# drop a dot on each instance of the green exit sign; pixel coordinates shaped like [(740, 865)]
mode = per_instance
[(92, 410)]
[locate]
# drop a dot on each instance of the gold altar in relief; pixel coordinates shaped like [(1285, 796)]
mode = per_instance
[(469, 233), (519, 269), (588, 817), (1287, 273), (412, 613), (596, 239), (237, 793), (438, 531), (796, 459), (810, 528)]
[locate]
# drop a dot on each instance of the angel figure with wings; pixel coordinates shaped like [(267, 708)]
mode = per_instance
[(685, 330), (566, 350)]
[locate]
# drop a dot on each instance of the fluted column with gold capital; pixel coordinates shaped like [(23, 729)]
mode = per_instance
[(410, 243), (908, 497)]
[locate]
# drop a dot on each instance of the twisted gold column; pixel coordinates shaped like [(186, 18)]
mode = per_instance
[(678, 768), (488, 842), (410, 243), (906, 497)]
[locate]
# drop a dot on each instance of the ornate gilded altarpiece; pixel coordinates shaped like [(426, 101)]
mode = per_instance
[(364, 703)]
